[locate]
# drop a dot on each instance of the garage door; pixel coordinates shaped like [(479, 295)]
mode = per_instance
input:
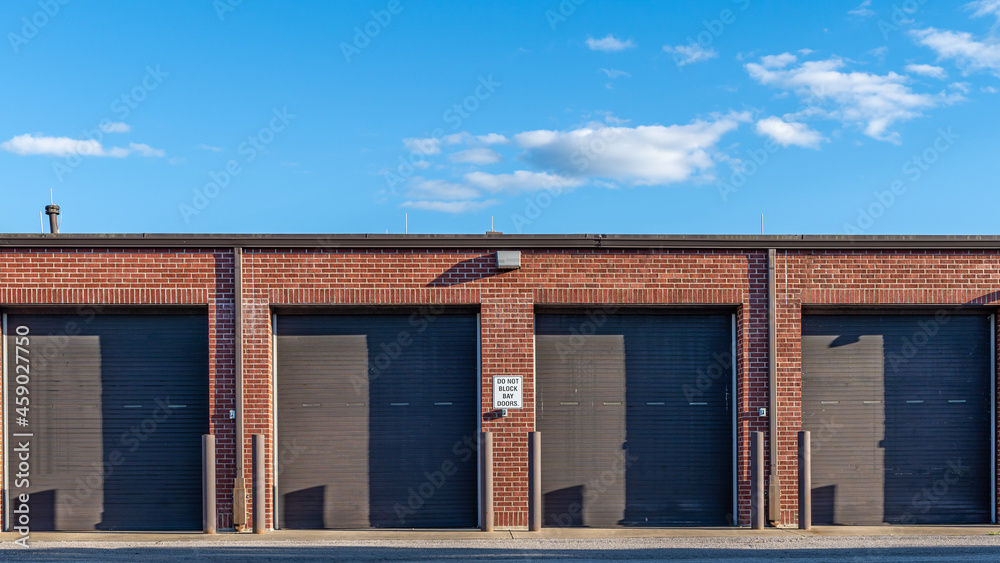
[(899, 410), (118, 404), (636, 417), (377, 418)]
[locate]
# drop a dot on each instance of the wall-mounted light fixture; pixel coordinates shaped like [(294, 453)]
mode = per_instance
[(508, 259)]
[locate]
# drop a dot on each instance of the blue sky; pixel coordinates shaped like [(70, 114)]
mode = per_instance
[(553, 116)]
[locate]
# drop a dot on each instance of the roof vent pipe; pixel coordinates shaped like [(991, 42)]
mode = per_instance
[(53, 212)]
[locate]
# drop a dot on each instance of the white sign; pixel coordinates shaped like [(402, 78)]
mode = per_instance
[(507, 392)]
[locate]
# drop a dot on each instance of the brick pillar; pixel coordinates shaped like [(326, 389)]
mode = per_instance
[(222, 383), (507, 324), (751, 374)]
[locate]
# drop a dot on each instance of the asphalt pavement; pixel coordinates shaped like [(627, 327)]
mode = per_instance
[(909, 544)]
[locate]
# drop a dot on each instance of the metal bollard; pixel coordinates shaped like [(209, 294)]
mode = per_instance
[(486, 473), (209, 516), (535, 481), (757, 480), (259, 479), (805, 481)]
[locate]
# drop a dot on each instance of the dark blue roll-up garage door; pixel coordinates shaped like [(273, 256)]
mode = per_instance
[(377, 420), (635, 412)]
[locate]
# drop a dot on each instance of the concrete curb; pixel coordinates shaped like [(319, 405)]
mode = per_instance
[(475, 534)]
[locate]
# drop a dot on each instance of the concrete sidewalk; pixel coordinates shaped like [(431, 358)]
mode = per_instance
[(475, 534)]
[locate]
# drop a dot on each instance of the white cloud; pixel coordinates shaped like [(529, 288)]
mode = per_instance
[(478, 156), (609, 44), (63, 146), (441, 189), (492, 139), (598, 154), (450, 206), (778, 61), (969, 54), (927, 70), (612, 73), (963, 87), (643, 155), (521, 181), (52, 146), (115, 127), (984, 8), (689, 54), (456, 138), (432, 145), (145, 150), (789, 133), (205, 147), (863, 10), (989, 90), (874, 102), (428, 145)]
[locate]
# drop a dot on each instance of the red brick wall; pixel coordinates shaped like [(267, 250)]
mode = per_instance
[(941, 279), (752, 376), (506, 301)]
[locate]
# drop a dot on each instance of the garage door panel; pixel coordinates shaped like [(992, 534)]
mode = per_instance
[(119, 404), (623, 443), (895, 404), (368, 397)]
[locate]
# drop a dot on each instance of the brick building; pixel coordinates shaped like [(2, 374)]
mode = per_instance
[(367, 363)]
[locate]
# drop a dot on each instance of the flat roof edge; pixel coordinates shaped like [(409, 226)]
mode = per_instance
[(494, 240)]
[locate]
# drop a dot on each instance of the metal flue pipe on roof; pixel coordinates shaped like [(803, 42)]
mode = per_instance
[(53, 212)]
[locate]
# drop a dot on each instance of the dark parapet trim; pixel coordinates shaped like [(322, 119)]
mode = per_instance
[(496, 241)]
